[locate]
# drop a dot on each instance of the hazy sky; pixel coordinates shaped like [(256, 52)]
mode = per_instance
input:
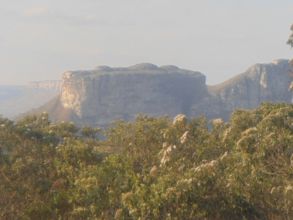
[(41, 39)]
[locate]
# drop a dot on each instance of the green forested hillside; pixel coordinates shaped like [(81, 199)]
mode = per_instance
[(153, 168)]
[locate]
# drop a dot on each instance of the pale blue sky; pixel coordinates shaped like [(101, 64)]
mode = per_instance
[(41, 39)]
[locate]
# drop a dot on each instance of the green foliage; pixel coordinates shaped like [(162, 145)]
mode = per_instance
[(151, 168)]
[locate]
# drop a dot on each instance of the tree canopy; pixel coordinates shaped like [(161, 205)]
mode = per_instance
[(152, 168)]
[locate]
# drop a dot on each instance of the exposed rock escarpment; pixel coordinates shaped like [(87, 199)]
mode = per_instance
[(261, 82), (105, 94)]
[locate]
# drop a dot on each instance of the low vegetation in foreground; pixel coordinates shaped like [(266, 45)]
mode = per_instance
[(153, 168)]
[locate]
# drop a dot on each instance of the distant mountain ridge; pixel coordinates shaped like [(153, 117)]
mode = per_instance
[(15, 100), (48, 84), (122, 93), (98, 97), (259, 83)]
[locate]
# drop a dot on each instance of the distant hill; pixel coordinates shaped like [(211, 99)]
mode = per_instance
[(15, 100), (260, 83), (105, 94), (46, 85)]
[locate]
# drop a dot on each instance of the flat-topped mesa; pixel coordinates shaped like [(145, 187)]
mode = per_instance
[(48, 85), (105, 94), (143, 68)]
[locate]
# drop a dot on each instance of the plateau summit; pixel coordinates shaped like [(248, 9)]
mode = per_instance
[(100, 96)]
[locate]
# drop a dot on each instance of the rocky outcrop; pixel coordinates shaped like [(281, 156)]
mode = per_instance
[(106, 94), (260, 83)]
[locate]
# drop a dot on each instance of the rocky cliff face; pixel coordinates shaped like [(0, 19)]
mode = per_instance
[(260, 83), (105, 94)]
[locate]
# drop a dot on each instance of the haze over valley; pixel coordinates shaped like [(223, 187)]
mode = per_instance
[(15, 100)]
